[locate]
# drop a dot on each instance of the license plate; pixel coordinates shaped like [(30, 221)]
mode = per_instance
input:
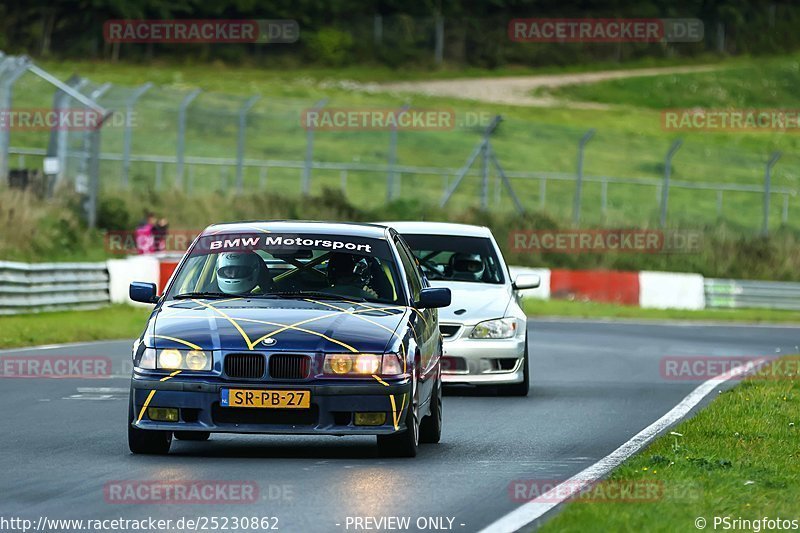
[(266, 399)]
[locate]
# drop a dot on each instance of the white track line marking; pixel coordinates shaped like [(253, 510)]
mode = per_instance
[(533, 510), (57, 346), (687, 323)]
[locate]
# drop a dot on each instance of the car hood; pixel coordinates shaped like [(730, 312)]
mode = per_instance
[(474, 302), (295, 325)]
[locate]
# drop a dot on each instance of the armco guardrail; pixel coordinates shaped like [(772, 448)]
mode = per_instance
[(733, 293), (27, 288)]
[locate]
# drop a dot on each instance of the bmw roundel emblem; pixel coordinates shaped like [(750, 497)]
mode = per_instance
[(269, 341)]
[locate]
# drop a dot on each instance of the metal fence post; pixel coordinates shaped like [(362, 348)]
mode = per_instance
[(604, 196), (767, 185), (485, 175), (181, 143), (59, 136), (377, 30), (576, 204), (489, 153), (240, 140), (392, 159), (89, 164), (94, 162), (785, 210), (306, 179), (542, 193), (13, 68), (127, 133), (93, 168), (438, 53), (479, 149), (667, 173), (262, 177)]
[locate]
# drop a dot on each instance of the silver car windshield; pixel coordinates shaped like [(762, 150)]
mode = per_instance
[(456, 258)]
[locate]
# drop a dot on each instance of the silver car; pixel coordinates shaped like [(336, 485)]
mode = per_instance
[(484, 329)]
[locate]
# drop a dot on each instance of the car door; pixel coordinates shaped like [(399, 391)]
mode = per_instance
[(427, 327)]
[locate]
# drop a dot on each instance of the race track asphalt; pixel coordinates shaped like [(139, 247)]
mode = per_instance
[(594, 385)]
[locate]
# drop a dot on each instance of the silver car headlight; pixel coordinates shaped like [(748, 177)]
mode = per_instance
[(499, 328), (172, 359)]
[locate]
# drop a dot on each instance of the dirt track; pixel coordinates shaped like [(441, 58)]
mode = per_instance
[(517, 90)]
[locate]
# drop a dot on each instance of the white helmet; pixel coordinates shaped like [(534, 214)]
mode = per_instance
[(237, 273), (467, 267)]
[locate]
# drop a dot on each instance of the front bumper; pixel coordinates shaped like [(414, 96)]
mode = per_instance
[(331, 411), (482, 361)]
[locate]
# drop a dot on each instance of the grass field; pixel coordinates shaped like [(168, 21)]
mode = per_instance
[(125, 321), (113, 322), (767, 82), (737, 458), (629, 142), (571, 309)]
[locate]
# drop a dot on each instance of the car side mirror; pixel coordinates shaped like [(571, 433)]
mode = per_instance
[(143, 292), (433, 297), (526, 281)]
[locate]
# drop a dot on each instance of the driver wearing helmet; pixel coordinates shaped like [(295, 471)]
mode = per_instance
[(350, 275), (241, 273), (467, 267)]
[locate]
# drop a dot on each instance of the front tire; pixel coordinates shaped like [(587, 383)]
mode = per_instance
[(403, 444), (146, 442), (430, 429)]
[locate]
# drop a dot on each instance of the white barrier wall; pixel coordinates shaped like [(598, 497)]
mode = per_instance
[(543, 291), (121, 272), (671, 290)]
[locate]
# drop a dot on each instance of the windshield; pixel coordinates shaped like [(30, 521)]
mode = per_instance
[(283, 265), (447, 257)]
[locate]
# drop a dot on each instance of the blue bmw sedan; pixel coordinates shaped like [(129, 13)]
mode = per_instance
[(290, 328)]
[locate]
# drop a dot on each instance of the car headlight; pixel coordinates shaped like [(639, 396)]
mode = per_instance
[(499, 328), (361, 364), (172, 359)]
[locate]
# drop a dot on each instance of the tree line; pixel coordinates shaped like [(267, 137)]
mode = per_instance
[(392, 32)]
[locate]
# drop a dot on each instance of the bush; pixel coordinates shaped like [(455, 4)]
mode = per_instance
[(330, 46), (113, 214)]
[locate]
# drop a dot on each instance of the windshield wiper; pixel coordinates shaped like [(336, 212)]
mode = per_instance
[(209, 295), (314, 294)]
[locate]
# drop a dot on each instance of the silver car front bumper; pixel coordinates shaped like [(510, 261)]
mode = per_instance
[(481, 361)]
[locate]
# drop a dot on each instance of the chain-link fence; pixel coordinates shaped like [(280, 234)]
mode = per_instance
[(165, 138)]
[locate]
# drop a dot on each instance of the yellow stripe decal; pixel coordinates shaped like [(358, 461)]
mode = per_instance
[(153, 393), (146, 403), (171, 375), (380, 380), (180, 341), (232, 321), (284, 327), (395, 415)]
